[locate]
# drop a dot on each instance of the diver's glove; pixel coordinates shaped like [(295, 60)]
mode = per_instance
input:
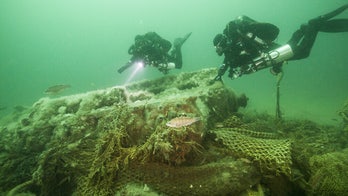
[(221, 72), (218, 78)]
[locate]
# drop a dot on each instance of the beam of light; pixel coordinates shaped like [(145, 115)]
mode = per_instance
[(138, 66)]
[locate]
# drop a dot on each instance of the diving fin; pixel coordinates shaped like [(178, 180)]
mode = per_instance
[(320, 20), (178, 42), (334, 26), (330, 15)]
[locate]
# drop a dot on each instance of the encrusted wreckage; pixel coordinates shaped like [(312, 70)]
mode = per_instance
[(176, 135)]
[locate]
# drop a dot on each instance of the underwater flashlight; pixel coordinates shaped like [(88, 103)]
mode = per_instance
[(138, 66)]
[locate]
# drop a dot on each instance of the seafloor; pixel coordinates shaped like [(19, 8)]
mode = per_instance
[(122, 141)]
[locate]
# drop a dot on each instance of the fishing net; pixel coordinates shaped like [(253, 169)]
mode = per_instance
[(329, 173), (272, 155)]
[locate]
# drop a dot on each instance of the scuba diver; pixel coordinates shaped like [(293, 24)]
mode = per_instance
[(151, 49), (248, 46)]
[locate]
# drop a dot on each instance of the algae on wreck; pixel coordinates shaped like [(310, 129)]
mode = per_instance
[(105, 141)]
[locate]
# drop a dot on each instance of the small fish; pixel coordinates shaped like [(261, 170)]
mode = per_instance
[(182, 121), (19, 108), (56, 89)]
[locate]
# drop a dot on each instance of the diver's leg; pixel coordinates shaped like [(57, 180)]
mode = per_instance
[(304, 48), (325, 24), (302, 41), (296, 38), (176, 57), (175, 54)]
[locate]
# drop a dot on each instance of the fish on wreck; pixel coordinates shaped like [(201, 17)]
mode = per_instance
[(182, 121)]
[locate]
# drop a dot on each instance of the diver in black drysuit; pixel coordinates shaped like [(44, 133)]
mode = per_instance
[(151, 49), (269, 54)]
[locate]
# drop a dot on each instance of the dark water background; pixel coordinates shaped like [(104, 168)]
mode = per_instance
[(82, 43)]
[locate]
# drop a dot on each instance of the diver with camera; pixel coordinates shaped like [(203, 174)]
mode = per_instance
[(151, 49), (248, 46)]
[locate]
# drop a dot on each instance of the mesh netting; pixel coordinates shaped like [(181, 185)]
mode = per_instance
[(329, 173), (116, 167), (216, 178), (273, 155)]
